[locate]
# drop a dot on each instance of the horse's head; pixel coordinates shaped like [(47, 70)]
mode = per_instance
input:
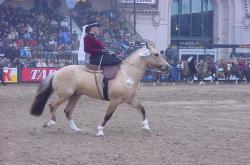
[(154, 58)]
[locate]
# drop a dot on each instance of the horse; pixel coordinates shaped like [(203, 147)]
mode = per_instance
[(156, 76), (226, 70), (215, 71), (73, 81), (186, 72), (201, 68), (235, 72), (160, 76), (244, 73), (200, 71)]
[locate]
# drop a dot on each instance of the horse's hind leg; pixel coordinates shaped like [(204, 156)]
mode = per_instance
[(69, 109), (111, 109), (135, 104), (53, 106)]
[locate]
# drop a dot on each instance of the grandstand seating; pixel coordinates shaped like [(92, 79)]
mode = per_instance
[(40, 32)]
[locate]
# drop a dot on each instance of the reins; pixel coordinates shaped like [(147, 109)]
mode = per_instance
[(136, 66), (96, 83), (97, 86)]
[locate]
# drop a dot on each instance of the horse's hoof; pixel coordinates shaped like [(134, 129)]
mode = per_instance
[(146, 129), (49, 123), (77, 130), (100, 131), (100, 134)]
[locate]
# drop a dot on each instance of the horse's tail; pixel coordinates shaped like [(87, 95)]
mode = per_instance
[(43, 93)]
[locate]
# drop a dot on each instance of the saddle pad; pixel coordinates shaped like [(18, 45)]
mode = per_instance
[(110, 71)]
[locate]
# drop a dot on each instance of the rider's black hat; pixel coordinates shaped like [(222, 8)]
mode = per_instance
[(91, 24)]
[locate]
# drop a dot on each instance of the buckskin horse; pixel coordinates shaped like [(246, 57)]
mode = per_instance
[(73, 81)]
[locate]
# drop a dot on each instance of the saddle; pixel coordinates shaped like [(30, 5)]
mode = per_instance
[(109, 72)]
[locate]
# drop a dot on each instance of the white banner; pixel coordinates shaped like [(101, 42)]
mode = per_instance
[(81, 53), (139, 1)]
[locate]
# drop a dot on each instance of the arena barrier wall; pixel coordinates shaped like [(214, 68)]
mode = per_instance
[(36, 74)]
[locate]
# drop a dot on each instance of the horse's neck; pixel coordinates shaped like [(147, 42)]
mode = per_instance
[(133, 68)]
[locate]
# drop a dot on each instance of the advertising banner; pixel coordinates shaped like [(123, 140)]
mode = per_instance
[(36, 74), (10, 75)]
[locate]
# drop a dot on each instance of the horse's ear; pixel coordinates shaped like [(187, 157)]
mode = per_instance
[(145, 53), (147, 45)]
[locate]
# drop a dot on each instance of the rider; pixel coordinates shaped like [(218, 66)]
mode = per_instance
[(234, 60), (242, 62), (211, 64), (191, 65), (98, 54)]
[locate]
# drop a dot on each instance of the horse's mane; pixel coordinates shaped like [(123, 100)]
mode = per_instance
[(136, 51), (147, 42)]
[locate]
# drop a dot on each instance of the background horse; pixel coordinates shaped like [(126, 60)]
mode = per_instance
[(200, 71), (160, 76), (186, 72), (214, 71), (156, 76), (227, 70), (71, 82), (201, 68), (244, 72), (235, 72)]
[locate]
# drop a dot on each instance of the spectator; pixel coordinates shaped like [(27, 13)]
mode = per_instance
[(41, 63), (64, 23), (2, 49), (27, 51), (2, 74), (31, 63), (17, 63), (234, 59)]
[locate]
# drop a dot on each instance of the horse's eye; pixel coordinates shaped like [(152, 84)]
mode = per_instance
[(156, 54)]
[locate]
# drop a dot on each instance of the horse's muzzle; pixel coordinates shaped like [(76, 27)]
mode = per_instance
[(166, 67)]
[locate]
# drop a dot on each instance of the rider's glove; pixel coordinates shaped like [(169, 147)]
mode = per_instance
[(106, 51)]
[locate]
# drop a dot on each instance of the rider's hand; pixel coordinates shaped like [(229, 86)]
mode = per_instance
[(112, 53), (106, 51)]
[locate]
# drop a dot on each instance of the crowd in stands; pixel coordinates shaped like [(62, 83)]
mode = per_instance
[(114, 28), (32, 35), (42, 32)]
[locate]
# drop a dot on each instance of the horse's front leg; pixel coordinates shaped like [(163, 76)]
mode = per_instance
[(111, 109), (135, 104), (201, 80)]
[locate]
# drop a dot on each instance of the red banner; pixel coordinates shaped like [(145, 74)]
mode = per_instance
[(36, 74)]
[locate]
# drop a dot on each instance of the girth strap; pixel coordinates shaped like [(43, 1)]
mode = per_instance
[(94, 69), (105, 89)]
